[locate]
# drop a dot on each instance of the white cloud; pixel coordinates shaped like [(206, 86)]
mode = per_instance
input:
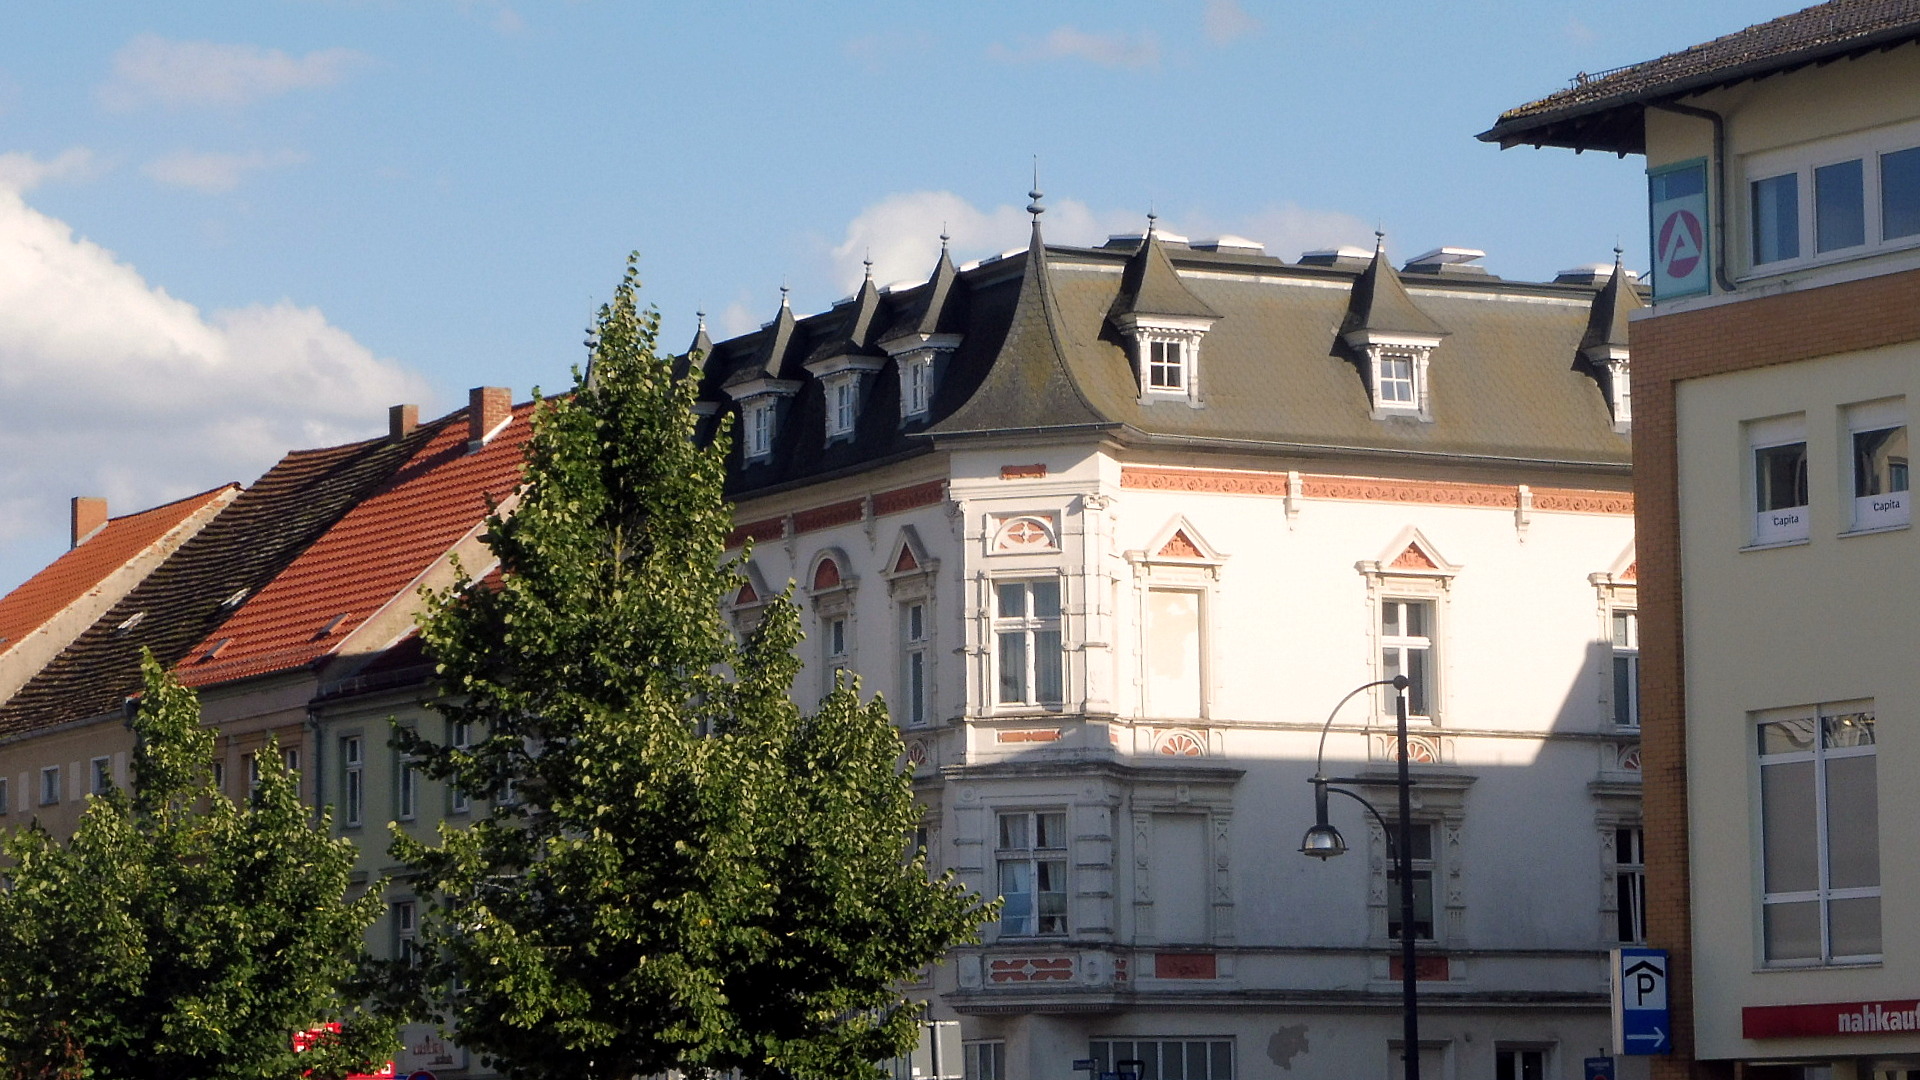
[(215, 172), (1225, 21), (1115, 50), (113, 387), (21, 171), (154, 70), (1288, 229)]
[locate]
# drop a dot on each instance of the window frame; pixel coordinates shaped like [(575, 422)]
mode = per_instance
[(50, 787), (1030, 627), (1781, 525), (459, 737), (1824, 894), (1103, 1051), (1629, 872), (1504, 1053), (100, 775), (406, 931), (756, 428), (994, 1053), (6, 796), (406, 788), (1624, 655), (1040, 860), (1866, 418), (1805, 163), (916, 660), (1425, 867), (353, 781), (842, 405), (1406, 645)]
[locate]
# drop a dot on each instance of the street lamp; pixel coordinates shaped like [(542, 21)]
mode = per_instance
[(1322, 841)]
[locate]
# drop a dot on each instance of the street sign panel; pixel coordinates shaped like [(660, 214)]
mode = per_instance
[(1598, 1068), (1642, 1024)]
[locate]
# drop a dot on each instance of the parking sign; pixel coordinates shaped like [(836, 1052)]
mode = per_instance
[(1642, 1024)]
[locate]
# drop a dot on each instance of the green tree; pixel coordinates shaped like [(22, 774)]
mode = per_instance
[(179, 934), (680, 869)]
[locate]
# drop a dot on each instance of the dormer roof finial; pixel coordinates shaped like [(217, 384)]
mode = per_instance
[(783, 292), (1034, 207), (944, 237), (868, 263), (702, 316)]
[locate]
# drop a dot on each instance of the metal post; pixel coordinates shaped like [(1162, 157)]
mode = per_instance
[(1410, 1050)]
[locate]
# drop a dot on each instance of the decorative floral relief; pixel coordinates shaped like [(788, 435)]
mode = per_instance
[(1031, 969), (1182, 744), (1630, 757), (1025, 534)]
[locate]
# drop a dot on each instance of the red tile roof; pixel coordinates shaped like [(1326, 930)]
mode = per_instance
[(78, 572), (238, 552), (371, 558)]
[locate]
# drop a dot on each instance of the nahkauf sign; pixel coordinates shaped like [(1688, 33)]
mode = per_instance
[(1830, 1018)]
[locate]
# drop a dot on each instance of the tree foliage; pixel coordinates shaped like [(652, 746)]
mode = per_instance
[(177, 933), (680, 869)]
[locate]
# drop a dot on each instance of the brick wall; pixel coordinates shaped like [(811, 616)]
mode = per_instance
[(1740, 336)]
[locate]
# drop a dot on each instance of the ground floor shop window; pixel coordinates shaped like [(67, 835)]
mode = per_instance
[(986, 1060), (1519, 1063), (1165, 1059)]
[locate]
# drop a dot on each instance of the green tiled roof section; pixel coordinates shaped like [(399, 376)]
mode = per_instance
[(1151, 286)]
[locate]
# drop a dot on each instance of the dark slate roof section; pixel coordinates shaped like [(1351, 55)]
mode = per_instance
[(1030, 385), (1380, 303), (931, 308), (1612, 308), (1604, 112), (854, 334), (1151, 286), (770, 359), (697, 352), (180, 604)]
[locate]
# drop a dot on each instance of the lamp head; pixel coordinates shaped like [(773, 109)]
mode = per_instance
[(1323, 842)]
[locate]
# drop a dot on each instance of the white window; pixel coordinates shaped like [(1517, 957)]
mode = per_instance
[(1032, 857), (1406, 648), (1877, 435), (353, 779), (1820, 835), (916, 384), (1420, 843), (843, 404), (1630, 884), (757, 421), (915, 662), (1164, 1059), (834, 644), (1167, 366), (460, 737), (1838, 199), (50, 785), (1626, 668), (1519, 1063), (100, 776), (253, 772), (291, 758), (1779, 450), (1026, 627), (1394, 379), (406, 789), (986, 1060), (406, 932), (1172, 660)]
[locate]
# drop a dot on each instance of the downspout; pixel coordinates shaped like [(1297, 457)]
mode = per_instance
[(319, 760), (1719, 183)]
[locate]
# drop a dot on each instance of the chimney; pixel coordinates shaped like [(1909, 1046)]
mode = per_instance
[(401, 420), (487, 408), (89, 516)]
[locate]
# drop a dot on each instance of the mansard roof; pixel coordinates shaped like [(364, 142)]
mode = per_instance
[(1035, 351), (1607, 324)]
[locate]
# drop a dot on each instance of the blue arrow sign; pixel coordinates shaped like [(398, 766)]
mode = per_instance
[(1642, 1024)]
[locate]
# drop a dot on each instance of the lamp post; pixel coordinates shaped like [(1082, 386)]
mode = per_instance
[(1323, 842)]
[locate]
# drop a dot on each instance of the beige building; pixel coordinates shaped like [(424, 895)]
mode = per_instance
[(1774, 376)]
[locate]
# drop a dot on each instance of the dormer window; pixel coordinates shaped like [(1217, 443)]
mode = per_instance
[(758, 432), (843, 396), (1396, 367), (1167, 366), (916, 383), (1393, 379)]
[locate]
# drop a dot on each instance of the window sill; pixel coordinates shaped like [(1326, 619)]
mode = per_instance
[(1850, 965), (1903, 527), (1772, 544)]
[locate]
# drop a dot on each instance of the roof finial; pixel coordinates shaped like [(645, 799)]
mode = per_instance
[(1618, 253), (783, 292), (943, 236), (702, 316), (1034, 207), (1151, 218), (1379, 240), (868, 263)]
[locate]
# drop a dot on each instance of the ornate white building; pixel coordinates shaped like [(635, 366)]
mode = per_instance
[(1113, 529)]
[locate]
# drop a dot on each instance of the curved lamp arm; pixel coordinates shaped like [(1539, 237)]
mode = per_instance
[(1385, 830), (1398, 682)]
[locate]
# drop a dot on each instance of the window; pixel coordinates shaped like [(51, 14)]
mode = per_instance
[(1393, 380), (406, 932), (1630, 883), (1033, 873), (1172, 658), (6, 802), (220, 777), (353, 779), (916, 384), (1626, 668), (50, 785), (1026, 626), (833, 644), (1820, 835), (253, 772), (986, 1060), (1406, 648), (758, 424), (1878, 436), (1900, 194), (1839, 206), (406, 789), (1776, 219), (460, 737), (1165, 1059), (1167, 366), (1779, 480), (843, 397), (100, 776), (1420, 838), (915, 653), (1510, 1063)]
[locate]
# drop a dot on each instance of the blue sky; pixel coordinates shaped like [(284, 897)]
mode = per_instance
[(229, 229)]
